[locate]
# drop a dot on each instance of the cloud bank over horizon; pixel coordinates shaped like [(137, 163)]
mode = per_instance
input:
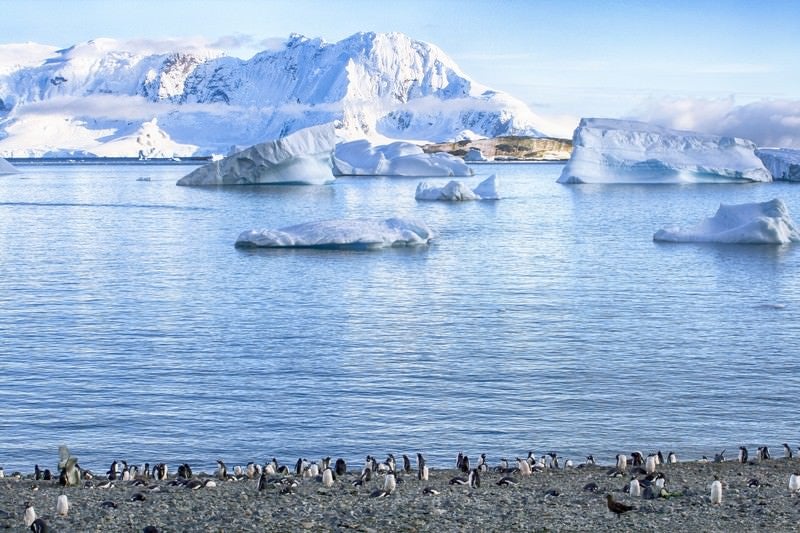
[(768, 122)]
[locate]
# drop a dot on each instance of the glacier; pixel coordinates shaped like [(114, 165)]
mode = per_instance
[(457, 191), (363, 158), (303, 157), (342, 234), (751, 223), (782, 163), (6, 167), (379, 86), (623, 151)]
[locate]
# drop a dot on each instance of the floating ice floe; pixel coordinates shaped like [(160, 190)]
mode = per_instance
[(474, 155), (353, 234), (782, 163), (6, 167), (623, 151), (362, 158), (304, 157), (753, 223), (456, 191)]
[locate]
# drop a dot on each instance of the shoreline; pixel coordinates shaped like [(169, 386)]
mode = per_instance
[(756, 496)]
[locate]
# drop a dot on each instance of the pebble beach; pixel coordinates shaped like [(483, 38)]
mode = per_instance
[(756, 497)]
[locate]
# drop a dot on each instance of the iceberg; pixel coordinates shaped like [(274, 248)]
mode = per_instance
[(474, 155), (782, 163), (456, 191), (753, 223), (304, 157), (362, 158), (623, 151), (341, 234), (6, 167)]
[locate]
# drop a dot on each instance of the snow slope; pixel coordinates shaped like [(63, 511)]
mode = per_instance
[(379, 86), (623, 151)]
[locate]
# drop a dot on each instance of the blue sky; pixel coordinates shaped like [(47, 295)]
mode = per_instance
[(562, 58)]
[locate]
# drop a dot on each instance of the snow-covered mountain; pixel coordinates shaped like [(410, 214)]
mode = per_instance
[(96, 98)]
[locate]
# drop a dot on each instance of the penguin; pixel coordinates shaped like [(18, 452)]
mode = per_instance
[(459, 460), (764, 454), (194, 484), (328, 477), (324, 463), (46, 475), (622, 462), (422, 468), (62, 505), (269, 470), (568, 463), (637, 458), (742, 454), (553, 460), (672, 458), (794, 483), (458, 480), (719, 457), (2, 473), (37, 474), (30, 514), (262, 481), (659, 458), (406, 464), (389, 483), (137, 497), (430, 492), (660, 480), (222, 470), (250, 470), (340, 467), (312, 470), (474, 478), (298, 466), (465, 464), (634, 489), (589, 460), (112, 471), (524, 467), (39, 526), (237, 471), (482, 466), (506, 481), (503, 468), (787, 451), (391, 463), (716, 492), (146, 471), (650, 463)]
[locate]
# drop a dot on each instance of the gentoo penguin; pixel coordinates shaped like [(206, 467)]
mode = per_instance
[(237, 471), (324, 463), (37, 474), (193, 484), (787, 451), (113, 471), (137, 497), (389, 484), (298, 466), (659, 458), (794, 483), (634, 489), (391, 463), (568, 463), (650, 464), (422, 468), (62, 505), (222, 470), (672, 458), (2, 472), (763, 453), (622, 462), (327, 477), (250, 470), (719, 457), (262, 481), (589, 460), (474, 478), (429, 491), (459, 460), (531, 458), (46, 475), (482, 466), (506, 481), (30, 514), (503, 468), (39, 526), (313, 470), (406, 464), (340, 467), (637, 458), (553, 460), (742, 454), (716, 492), (524, 467), (465, 464)]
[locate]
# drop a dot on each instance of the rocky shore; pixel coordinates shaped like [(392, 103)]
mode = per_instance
[(756, 496)]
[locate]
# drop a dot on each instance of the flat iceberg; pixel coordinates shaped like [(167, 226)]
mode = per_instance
[(362, 158), (457, 191), (623, 151), (474, 154), (754, 223), (303, 157), (782, 163), (341, 234), (6, 167)]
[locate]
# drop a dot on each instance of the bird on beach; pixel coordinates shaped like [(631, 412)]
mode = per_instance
[(30, 514), (622, 462), (742, 454), (328, 477), (222, 470), (794, 483), (524, 467), (616, 507), (39, 526), (62, 505), (340, 467), (406, 464), (763, 453), (506, 481), (672, 458), (422, 468), (787, 451), (719, 457), (634, 489), (716, 492)]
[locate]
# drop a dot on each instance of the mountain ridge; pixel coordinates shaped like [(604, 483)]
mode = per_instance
[(82, 100)]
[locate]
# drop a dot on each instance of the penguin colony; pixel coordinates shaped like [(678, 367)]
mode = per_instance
[(641, 476)]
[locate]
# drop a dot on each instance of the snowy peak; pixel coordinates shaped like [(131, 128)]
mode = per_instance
[(380, 86)]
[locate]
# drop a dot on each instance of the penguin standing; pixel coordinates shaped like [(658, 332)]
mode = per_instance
[(524, 467), (465, 464), (328, 477), (482, 466), (62, 505), (716, 492), (340, 467), (634, 488), (30, 514), (262, 481), (406, 464), (622, 462), (474, 478), (742, 454), (787, 451), (672, 458), (422, 468), (794, 483), (222, 470), (650, 464)]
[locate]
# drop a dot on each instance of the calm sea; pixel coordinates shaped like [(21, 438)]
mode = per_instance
[(131, 328)]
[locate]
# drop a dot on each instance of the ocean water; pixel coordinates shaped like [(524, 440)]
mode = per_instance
[(131, 328)]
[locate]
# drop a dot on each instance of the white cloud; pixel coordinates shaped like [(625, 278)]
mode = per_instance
[(772, 122)]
